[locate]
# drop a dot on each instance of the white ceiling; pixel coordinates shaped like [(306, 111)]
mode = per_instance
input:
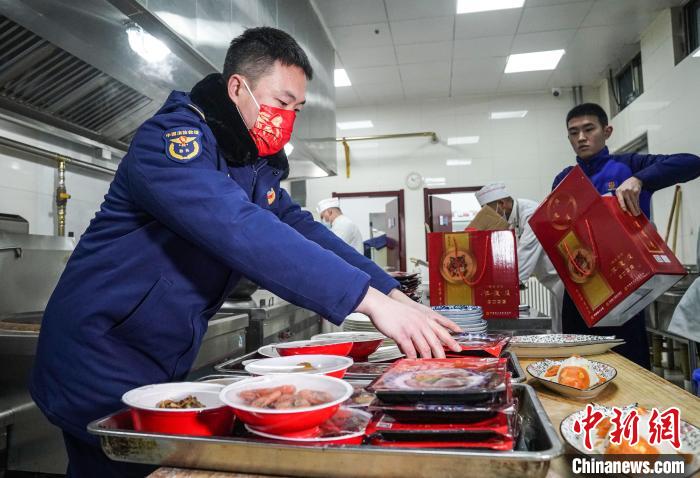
[(395, 50)]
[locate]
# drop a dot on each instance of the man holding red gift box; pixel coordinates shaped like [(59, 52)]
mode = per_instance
[(632, 178)]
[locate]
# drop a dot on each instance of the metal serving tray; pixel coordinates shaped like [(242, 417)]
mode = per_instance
[(235, 367), (537, 445)]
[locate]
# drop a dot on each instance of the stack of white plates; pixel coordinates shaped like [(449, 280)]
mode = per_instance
[(357, 322), (469, 317), (385, 354), (524, 310)]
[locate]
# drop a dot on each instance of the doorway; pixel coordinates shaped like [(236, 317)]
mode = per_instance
[(449, 209), (379, 213)]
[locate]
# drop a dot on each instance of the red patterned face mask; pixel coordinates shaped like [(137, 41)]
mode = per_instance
[(273, 127)]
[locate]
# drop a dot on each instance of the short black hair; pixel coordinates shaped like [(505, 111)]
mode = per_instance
[(588, 109), (253, 53)]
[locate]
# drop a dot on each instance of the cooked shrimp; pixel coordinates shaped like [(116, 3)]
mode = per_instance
[(314, 397), (265, 400)]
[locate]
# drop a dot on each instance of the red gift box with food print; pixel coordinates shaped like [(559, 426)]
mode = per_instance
[(612, 263), (475, 268)]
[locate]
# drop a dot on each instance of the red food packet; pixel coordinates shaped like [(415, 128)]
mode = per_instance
[(466, 380), (455, 441), (499, 424), (481, 345)]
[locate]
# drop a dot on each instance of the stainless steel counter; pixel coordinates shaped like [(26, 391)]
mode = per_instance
[(225, 338), (274, 320), (32, 444)]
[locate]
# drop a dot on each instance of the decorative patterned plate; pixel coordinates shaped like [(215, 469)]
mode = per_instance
[(689, 435), (608, 372), (561, 345), (559, 340)]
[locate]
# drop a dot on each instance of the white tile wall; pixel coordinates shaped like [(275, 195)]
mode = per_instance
[(667, 112), (28, 188), (525, 153)]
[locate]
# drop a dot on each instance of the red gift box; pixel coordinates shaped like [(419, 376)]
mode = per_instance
[(475, 268), (613, 264)]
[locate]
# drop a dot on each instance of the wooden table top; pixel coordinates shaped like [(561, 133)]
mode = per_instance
[(633, 384)]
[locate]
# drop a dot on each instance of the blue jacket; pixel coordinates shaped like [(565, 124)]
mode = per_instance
[(187, 214), (656, 171)]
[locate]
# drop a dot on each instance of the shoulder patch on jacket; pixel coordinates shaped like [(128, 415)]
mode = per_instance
[(183, 144)]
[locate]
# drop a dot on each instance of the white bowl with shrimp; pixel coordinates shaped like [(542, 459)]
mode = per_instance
[(285, 404)]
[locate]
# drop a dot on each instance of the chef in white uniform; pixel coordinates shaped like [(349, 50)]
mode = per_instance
[(686, 318), (341, 225), (532, 260)]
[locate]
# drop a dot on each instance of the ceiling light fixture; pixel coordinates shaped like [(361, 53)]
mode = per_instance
[(536, 61), (340, 77), (435, 181), (458, 162), (496, 115), (288, 148), (146, 45), (462, 140), (355, 124), (473, 6)]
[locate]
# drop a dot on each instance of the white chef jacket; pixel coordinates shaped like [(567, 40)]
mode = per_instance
[(344, 228), (532, 260), (686, 318)]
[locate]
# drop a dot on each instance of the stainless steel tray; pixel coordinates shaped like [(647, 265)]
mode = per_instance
[(514, 367), (235, 367), (537, 445)]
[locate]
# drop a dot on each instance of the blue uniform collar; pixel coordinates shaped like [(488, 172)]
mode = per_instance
[(595, 163)]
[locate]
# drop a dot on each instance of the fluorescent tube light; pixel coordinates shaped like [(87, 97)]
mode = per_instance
[(536, 61), (458, 162), (146, 45), (496, 115), (435, 181), (462, 140), (472, 6), (340, 77), (355, 124)]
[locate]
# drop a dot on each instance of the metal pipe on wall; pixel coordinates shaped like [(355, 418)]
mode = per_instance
[(46, 154), (62, 196), (432, 134)]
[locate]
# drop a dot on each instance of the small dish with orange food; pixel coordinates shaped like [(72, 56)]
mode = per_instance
[(575, 377)]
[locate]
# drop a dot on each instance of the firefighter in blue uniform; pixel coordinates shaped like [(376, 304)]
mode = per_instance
[(632, 178), (195, 204)]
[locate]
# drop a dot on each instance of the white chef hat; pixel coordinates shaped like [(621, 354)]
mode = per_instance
[(327, 203), (491, 192)]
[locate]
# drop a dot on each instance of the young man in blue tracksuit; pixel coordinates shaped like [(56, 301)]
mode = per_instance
[(195, 204), (632, 178)]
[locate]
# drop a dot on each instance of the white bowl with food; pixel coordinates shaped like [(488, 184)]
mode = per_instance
[(576, 377), (181, 408), (331, 365), (284, 404)]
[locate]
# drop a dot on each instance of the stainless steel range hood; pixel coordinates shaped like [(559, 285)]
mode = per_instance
[(69, 64)]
